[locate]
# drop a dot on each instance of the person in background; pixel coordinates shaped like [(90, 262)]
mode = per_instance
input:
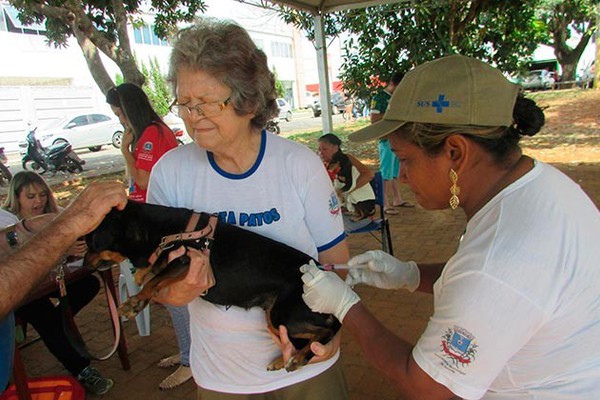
[(516, 308), (360, 175), (146, 137), (145, 140), (349, 108), (225, 94), (29, 196), (389, 163)]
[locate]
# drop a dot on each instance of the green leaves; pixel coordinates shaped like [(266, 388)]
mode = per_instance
[(384, 39), (101, 25), (156, 87)]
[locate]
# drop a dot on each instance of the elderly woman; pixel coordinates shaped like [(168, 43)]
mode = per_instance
[(516, 310), (225, 94)]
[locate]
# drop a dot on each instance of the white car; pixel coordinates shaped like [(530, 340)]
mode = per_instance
[(285, 110), (90, 131), (538, 79)]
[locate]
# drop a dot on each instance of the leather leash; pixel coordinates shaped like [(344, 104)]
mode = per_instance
[(205, 234), (70, 328)]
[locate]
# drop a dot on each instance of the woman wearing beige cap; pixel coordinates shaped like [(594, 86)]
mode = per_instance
[(516, 308)]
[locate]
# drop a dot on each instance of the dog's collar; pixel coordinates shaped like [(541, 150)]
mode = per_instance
[(206, 234)]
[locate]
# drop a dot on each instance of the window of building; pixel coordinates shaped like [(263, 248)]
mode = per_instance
[(2, 21), (279, 49), (11, 23), (145, 35)]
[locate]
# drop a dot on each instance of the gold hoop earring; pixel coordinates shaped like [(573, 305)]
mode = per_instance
[(454, 190)]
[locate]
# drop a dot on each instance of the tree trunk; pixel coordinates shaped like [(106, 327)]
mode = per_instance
[(569, 58), (568, 72), (125, 59), (94, 62), (131, 72)]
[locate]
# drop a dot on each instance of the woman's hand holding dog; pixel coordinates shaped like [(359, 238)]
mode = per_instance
[(322, 352), (198, 280)]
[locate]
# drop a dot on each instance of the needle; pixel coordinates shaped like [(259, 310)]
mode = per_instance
[(333, 267)]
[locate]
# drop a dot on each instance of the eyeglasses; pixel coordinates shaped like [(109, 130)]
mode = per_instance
[(209, 109)]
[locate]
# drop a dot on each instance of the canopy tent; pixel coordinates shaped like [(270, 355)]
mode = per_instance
[(325, 6), (318, 8)]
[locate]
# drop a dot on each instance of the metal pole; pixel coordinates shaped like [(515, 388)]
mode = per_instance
[(320, 42), (596, 65)]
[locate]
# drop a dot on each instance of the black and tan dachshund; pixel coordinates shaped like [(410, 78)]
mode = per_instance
[(250, 270)]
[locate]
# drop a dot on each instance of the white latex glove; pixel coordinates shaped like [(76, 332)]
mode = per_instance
[(325, 292), (384, 271)]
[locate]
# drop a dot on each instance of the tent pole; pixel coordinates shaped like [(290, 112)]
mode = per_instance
[(324, 92)]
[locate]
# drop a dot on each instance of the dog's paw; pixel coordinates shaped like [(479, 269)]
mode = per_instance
[(131, 307), (276, 364), (294, 363), (126, 310), (141, 276)]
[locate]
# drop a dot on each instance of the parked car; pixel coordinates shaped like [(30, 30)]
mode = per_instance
[(90, 131), (309, 99), (538, 79), (285, 110), (338, 104), (586, 79)]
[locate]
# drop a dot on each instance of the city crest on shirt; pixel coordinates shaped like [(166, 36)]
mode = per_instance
[(334, 204), (146, 153), (458, 349)]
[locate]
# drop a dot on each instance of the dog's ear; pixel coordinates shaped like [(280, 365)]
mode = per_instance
[(107, 235)]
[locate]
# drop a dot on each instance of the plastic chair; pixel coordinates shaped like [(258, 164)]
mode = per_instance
[(381, 224), (127, 287)]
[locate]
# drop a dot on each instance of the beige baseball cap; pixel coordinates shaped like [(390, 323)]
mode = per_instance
[(454, 90)]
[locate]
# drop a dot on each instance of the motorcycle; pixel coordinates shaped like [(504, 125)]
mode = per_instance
[(273, 126), (55, 158), (178, 132), (5, 175)]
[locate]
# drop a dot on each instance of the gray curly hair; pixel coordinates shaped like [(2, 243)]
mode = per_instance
[(225, 50)]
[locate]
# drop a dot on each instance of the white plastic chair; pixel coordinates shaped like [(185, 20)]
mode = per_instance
[(127, 288)]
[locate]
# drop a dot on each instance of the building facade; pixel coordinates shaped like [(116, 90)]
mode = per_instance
[(40, 83)]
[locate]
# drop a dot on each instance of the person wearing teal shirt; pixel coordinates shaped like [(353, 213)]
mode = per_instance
[(388, 162)]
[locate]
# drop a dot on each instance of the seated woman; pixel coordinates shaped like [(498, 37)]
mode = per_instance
[(30, 196), (351, 180)]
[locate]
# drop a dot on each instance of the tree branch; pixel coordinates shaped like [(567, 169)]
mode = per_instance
[(94, 62)]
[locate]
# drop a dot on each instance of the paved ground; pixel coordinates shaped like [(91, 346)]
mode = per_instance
[(418, 234)]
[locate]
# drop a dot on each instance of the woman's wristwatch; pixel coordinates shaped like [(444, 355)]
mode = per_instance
[(12, 238)]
